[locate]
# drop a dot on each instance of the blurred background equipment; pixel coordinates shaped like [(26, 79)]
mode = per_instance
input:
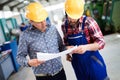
[(12, 14), (106, 13)]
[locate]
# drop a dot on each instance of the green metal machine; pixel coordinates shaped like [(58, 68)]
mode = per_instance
[(96, 11), (12, 22), (8, 42), (5, 29), (106, 13), (115, 15), (7, 26), (2, 38)]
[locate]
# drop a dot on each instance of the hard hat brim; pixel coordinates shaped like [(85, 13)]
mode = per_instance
[(75, 16), (42, 18), (36, 12)]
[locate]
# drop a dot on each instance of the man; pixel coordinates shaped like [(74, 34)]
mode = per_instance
[(23, 26), (40, 38), (84, 32)]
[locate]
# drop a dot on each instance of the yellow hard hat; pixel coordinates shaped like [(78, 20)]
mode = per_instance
[(36, 12), (74, 8)]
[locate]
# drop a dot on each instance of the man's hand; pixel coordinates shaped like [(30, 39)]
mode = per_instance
[(68, 57), (68, 47), (80, 49), (35, 62)]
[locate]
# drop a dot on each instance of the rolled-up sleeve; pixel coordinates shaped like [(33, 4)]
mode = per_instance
[(96, 33)]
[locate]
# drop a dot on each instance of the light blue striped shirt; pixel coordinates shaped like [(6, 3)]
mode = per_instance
[(32, 40)]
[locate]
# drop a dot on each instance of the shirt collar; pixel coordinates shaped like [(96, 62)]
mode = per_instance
[(34, 28)]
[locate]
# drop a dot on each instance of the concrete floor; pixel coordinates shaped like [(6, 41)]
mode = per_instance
[(111, 55)]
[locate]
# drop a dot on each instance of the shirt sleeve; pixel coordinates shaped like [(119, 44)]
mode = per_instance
[(22, 51), (96, 33)]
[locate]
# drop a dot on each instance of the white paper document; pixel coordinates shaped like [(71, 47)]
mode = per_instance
[(48, 56)]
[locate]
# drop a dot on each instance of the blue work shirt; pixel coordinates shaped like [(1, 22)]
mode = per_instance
[(23, 28), (33, 40)]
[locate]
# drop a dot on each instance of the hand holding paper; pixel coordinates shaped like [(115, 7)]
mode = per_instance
[(48, 56)]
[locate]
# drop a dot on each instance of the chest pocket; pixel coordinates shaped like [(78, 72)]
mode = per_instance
[(74, 39)]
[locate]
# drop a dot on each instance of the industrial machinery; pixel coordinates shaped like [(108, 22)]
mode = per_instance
[(106, 13)]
